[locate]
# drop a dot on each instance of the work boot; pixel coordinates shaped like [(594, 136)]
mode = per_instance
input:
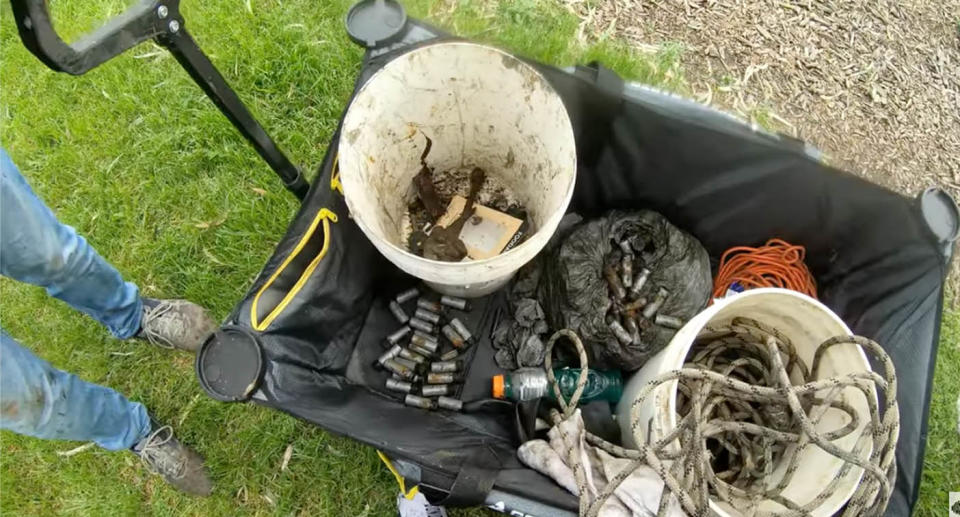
[(175, 324), (179, 465)]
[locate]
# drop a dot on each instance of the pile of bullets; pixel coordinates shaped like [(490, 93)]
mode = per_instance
[(428, 376), (630, 313)]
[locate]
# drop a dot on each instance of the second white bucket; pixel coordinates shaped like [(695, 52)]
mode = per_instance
[(482, 108), (807, 323)]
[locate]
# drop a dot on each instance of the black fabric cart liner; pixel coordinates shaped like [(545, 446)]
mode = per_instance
[(318, 307)]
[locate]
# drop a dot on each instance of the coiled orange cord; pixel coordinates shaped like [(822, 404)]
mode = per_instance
[(775, 264)]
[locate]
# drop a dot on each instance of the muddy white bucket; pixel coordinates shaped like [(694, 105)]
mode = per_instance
[(807, 323), (482, 108)]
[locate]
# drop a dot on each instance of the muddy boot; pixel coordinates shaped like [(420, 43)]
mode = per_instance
[(175, 324), (179, 465)]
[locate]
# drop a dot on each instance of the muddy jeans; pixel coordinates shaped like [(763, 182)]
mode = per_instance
[(37, 399)]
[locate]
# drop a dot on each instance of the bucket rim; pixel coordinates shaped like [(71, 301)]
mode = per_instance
[(568, 195)]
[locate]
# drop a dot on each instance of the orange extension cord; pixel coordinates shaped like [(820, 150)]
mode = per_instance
[(775, 264)]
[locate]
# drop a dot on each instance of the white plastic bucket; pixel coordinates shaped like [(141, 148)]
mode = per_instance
[(482, 108), (807, 323)]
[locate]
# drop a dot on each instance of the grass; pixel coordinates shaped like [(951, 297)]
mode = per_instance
[(141, 162)]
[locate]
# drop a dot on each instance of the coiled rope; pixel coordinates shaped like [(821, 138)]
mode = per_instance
[(738, 401), (775, 264)]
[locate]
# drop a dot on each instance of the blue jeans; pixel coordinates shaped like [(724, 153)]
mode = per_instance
[(37, 399)]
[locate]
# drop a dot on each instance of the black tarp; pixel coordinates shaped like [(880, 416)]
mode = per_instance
[(875, 262)]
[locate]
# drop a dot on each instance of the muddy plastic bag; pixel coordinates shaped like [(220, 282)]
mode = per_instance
[(575, 293)]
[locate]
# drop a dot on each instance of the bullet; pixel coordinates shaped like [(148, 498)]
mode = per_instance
[(412, 356), (406, 362), (450, 403), (399, 369), (626, 270), (452, 301), (446, 366), (613, 280), (635, 305), (427, 316), (423, 303), (670, 322), (424, 341), (420, 402), (461, 329), (420, 350), (451, 355), (398, 385), (621, 333), (657, 302), (398, 313), (629, 323), (441, 378), (452, 336), (407, 295), (421, 325), (389, 354), (397, 336), (640, 281), (435, 390)]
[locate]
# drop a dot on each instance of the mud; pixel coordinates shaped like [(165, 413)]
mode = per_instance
[(418, 221)]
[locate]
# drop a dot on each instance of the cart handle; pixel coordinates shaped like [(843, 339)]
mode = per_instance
[(159, 20), (135, 25)]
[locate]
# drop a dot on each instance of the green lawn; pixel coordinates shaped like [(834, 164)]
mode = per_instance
[(136, 157)]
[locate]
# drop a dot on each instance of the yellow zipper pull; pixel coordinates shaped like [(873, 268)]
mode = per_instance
[(327, 214)]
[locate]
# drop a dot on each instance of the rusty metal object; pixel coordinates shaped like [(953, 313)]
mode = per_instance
[(401, 370), (411, 355), (428, 316), (461, 329), (441, 378), (635, 305), (455, 339), (613, 280), (426, 341), (423, 303)]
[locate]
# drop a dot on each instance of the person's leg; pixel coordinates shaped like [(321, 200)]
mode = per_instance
[(36, 248), (39, 400)]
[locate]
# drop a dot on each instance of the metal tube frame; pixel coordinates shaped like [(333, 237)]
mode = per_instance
[(161, 21)]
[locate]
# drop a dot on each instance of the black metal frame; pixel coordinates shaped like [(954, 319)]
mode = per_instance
[(161, 21)]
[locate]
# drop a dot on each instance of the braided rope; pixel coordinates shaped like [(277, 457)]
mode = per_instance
[(737, 400)]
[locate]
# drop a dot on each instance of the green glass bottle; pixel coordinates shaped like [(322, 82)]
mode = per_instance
[(532, 383)]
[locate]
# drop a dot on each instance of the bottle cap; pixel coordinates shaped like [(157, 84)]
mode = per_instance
[(498, 387)]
